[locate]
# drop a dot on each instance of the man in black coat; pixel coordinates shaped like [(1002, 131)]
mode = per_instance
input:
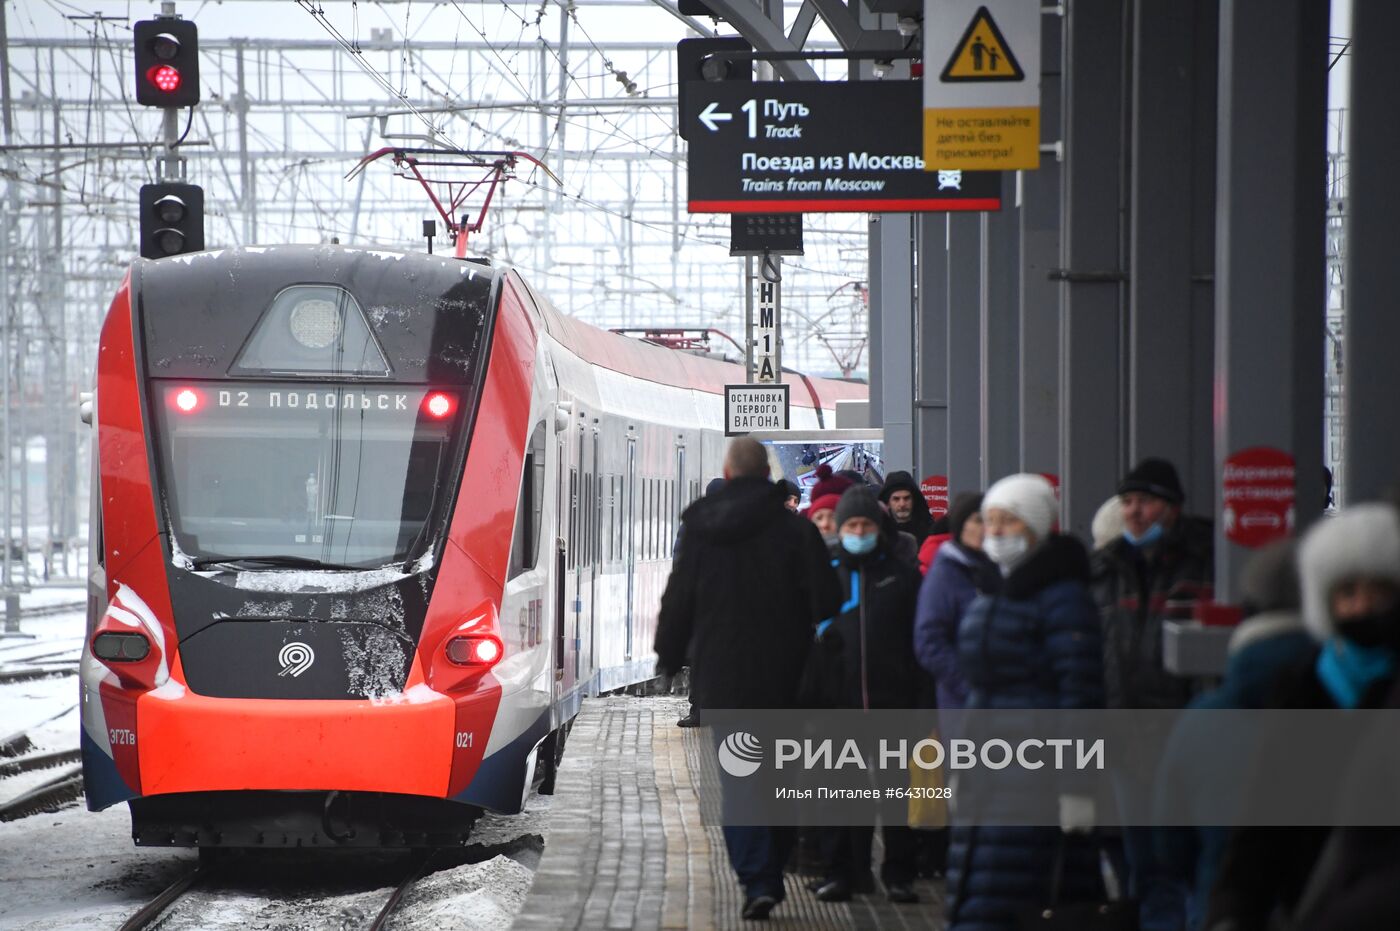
[(746, 590), (902, 496)]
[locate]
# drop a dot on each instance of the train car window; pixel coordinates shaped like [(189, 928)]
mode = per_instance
[(573, 516), (646, 515), (616, 544), (589, 495), (524, 550)]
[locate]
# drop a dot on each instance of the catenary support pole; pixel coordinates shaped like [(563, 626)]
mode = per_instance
[(1371, 378), (1269, 299)]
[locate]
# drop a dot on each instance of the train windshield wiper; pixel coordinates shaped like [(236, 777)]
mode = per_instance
[(270, 562)]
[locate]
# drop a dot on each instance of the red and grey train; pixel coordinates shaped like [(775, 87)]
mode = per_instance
[(367, 526)]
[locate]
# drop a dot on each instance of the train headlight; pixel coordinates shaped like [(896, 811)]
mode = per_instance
[(315, 323), (121, 647), (481, 650)]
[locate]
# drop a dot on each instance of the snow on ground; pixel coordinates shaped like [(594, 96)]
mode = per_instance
[(79, 869)]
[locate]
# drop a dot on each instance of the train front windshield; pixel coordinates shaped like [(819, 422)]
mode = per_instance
[(298, 473)]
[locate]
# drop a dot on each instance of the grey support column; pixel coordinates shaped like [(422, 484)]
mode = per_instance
[(931, 348), (1091, 430), (892, 264), (964, 353), (874, 349), (1269, 299), (1372, 326), (1040, 255), (1171, 312), (999, 309)]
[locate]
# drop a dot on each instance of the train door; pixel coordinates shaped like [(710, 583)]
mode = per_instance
[(596, 548), (629, 534), (566, 507), (678, 504)]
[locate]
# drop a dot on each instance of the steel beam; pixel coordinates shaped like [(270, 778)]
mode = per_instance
[(1171, 341), (893, 303), (764, 35), (1269, 298), (998, 307), (1371, 458), (1039, 197), (931, 346), (964, 353), (1091, 433)]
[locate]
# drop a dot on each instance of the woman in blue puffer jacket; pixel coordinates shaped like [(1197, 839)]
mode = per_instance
[(1034, 645), (959, 572)]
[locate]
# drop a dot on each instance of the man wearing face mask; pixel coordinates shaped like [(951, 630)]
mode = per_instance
[(1349, 567), (1158, 569), (874, 667)]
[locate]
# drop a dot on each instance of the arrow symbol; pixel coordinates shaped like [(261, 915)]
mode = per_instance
[(711, 119)]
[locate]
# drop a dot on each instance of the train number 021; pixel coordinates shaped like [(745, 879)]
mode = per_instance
[(464, 740)]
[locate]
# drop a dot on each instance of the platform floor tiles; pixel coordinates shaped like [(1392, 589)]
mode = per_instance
[(626, 848)]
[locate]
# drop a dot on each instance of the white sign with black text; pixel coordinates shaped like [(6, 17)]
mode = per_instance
[(755, 407)]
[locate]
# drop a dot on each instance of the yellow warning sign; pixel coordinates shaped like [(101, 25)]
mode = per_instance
[(983, 54)]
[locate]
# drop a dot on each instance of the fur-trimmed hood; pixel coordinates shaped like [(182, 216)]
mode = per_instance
[(1060, 558), (1361, 541)]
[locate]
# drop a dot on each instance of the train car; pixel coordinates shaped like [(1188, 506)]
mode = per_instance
[(367, 527)]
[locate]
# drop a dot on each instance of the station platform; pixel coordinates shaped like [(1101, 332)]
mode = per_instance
[(626, 848)]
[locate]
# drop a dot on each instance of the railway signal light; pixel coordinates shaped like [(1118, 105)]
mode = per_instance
[(172, 219), (699, 60), (167, 63)]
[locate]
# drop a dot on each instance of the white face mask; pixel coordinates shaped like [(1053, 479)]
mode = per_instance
[(1005, 550)]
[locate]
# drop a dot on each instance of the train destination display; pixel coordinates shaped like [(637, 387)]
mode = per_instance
[(794, 147)]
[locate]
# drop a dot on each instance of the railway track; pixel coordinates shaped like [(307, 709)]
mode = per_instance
[(208, 866), (61, 790)]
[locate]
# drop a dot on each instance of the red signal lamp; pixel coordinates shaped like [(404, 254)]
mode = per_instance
[(439, 404), (166, 78), (187, 400)]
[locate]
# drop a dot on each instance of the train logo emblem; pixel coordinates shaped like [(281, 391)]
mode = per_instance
[(295, 658), (741, 754)]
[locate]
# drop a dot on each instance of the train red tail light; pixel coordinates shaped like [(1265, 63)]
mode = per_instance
[(467, 652), (439, 404), (187, 400), (477, 650)]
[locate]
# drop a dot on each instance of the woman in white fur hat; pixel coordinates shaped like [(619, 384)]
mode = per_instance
[(1349, 568), (1035, 644)]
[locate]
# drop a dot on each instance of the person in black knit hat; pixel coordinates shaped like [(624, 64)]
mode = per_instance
[(1161, 566)]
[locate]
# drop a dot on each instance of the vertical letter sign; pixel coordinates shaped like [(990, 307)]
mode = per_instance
[(981, 84)]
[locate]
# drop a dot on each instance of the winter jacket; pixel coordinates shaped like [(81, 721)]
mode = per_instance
[(1036, 644), (1136, 590), (1264, 869), (928, 550), (745, 592), (1355, 886), (920, 520), (1193, 773), (953, 581), (868, 661)]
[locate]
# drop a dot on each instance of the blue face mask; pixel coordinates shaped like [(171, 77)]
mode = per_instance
[(857, 545), (1149, 536), (1347, 670)]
